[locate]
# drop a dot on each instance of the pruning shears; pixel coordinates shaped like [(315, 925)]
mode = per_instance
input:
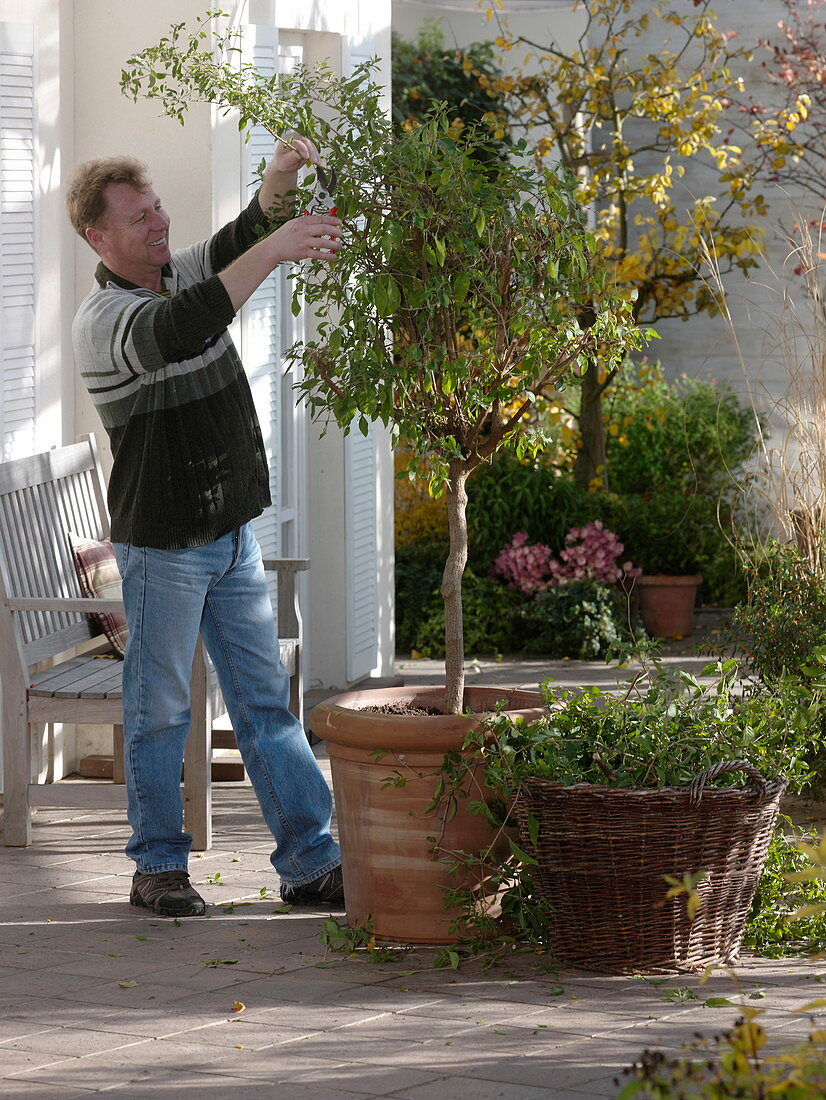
[(323, 201)]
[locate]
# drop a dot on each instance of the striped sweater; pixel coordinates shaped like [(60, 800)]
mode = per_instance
[(189, 459)]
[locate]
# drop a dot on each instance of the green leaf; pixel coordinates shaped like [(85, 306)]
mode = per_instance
[(387, 295), (461, 288), (719, 1002), (522, 856)]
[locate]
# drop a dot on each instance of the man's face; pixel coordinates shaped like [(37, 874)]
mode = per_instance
[(133, 241)]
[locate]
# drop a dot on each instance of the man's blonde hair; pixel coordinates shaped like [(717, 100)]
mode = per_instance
[(86, 196)]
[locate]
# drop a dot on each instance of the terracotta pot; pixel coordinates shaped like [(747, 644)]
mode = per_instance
[(667, 604), (392, 877)]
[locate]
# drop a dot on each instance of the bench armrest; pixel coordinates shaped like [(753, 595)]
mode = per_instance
[(287, 565), (289, 615)]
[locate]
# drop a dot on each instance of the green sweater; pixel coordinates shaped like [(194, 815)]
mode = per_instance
[(189, 459)]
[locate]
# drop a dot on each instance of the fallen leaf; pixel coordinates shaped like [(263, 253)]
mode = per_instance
[(128, 985), (238, 1006)]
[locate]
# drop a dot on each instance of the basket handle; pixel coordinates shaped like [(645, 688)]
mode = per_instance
[(755, 780)]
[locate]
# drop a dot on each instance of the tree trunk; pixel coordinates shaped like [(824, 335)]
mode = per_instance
[(591, 462), (452, 588)]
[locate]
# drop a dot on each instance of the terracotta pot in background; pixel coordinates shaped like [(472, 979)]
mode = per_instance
[(392, 878), (667, 604)]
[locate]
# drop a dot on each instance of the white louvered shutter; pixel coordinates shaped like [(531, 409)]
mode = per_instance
[(18, 241), (360, 553), (261, 317), (360, 509)]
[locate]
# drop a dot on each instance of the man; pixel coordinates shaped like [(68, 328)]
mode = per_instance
[(189, 475)]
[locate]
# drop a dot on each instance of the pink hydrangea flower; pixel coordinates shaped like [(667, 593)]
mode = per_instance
[(591, 553), (526, 568)]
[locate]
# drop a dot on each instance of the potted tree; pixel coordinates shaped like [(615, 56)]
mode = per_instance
[(452, 304)]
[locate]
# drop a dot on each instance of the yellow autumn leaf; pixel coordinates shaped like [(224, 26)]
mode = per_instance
[(238, 1006), (751, 1036), (692, 905)]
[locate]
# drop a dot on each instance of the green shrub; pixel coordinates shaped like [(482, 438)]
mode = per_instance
[(665, 729), (675, 532), (690, 433), (580, 620), (427, 70), (670, 531), (490, 612), (781, 630), (769, 931), (782, 626), (419, 569), (511, 495)]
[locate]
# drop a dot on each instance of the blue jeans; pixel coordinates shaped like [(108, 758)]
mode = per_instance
[(220, 591)]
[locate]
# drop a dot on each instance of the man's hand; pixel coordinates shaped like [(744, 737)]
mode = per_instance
[(309, 237), (291, 152), (280, 174)]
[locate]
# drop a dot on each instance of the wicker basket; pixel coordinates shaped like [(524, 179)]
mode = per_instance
[(602, 853)]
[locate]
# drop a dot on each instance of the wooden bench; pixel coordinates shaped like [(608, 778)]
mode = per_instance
[(53, 663)]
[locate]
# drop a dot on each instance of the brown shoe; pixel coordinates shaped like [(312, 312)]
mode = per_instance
[(168, 893)]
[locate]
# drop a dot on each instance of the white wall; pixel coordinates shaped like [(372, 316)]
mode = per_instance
[(107, 123)]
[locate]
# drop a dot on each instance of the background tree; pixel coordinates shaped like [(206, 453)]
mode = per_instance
[(627, 122), (426, 71), (456, 288), (795, 133)]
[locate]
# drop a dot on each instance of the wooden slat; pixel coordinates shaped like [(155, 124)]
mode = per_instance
[(84, 604), (93, 712), (70, 794), (289, 649), (77, 670), (107, 687), (102, 508), (22, 581), (42, 648)]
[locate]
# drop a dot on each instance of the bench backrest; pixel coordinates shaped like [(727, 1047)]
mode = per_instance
[(42, 498)]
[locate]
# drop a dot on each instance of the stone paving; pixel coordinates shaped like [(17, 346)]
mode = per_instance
[(99, 997)]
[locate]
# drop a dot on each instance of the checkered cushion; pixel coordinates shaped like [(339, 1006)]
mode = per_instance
[(98, 574)]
